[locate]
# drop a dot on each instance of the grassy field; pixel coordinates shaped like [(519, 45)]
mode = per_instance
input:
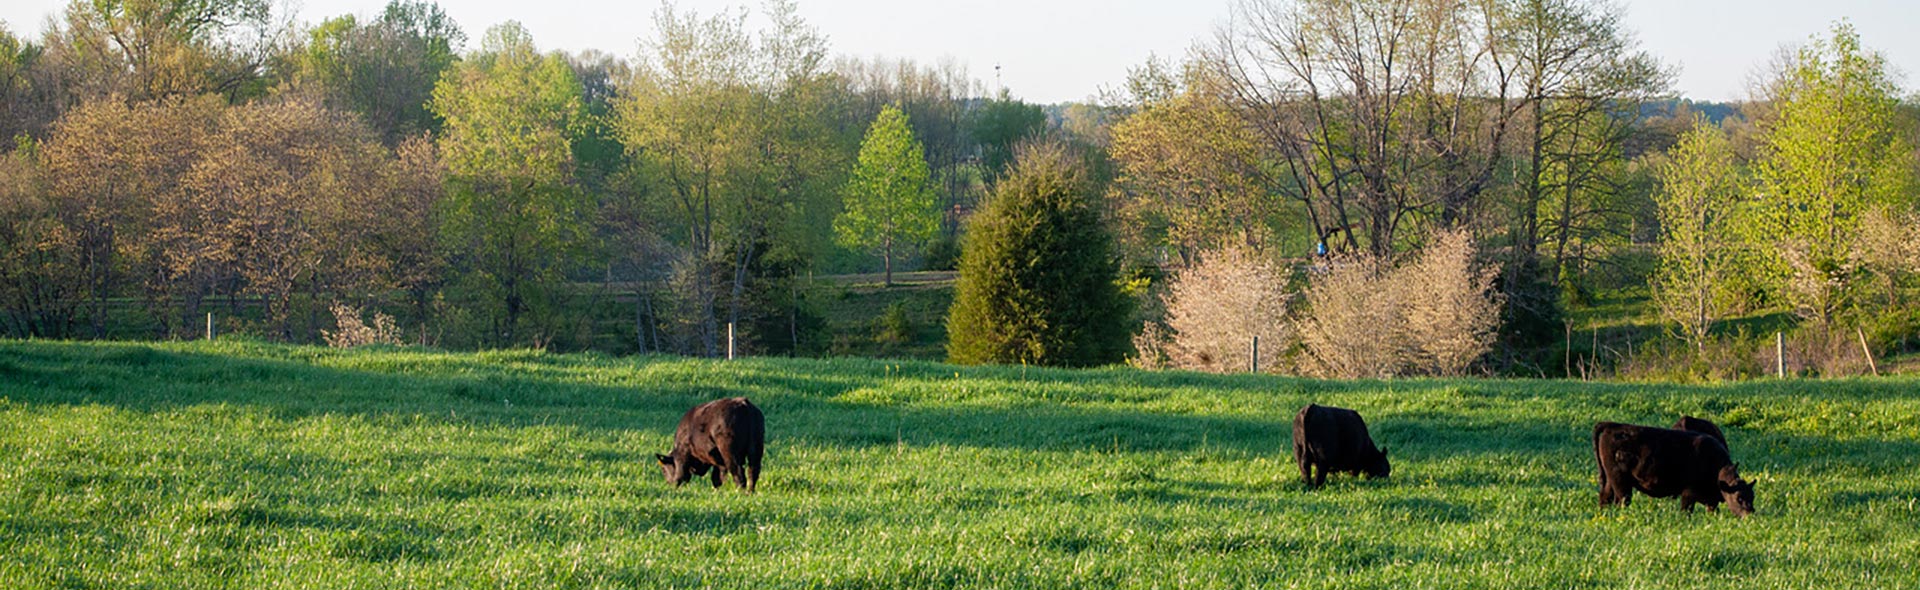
[(237, 465)]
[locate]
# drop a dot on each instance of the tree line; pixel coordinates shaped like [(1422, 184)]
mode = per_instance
[(1457, 173), (172, 158), (1376, 132)]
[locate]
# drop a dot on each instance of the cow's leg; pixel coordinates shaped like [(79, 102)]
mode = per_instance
[(1306, 466), (753, 470), (1320, 475), (715, 475), (739, 474)]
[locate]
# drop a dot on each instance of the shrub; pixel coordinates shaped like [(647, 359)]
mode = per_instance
[(353, 332), (1038, 272), (895, 327), (942, 254), (1216, 308), (1434, 316), (1351, 329), (1450, 309)]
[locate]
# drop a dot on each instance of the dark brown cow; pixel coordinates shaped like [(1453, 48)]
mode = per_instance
[(725, 436), (1663, 463), (1334, 439), (1702, 426)]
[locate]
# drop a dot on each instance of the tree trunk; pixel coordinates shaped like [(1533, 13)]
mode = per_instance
[(739, 283), (640, 320)]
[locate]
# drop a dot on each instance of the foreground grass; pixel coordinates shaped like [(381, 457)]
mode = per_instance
[(237, 465)]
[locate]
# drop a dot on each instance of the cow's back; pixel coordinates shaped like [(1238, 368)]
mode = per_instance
[(732, 425), (1702, 426), (1336, 437)]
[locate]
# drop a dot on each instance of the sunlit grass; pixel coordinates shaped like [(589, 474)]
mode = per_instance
[(243, 465)]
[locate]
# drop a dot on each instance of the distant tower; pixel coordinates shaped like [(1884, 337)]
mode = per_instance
[(997, 86)]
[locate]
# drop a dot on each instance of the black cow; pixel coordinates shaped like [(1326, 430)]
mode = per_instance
[(1663, 463), (725, 436), (1702, 426), (1334, 439)]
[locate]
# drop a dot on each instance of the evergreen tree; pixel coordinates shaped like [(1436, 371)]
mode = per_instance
[(888, 201), (1038, 275)]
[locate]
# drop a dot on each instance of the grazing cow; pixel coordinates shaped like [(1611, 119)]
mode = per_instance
[(1334, 439), (1702, 426), (1664, 463), (725, 436)]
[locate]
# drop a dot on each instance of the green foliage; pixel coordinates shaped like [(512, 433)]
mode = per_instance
[(1000, 125), (1829, 152), (239, 465), (153, 49), (1038, 279), (855, 313), (895, 326), (1699, 248), (888, 203), (20, 113), (385, 69), (943, 253), (1532, 319), (512, 214)]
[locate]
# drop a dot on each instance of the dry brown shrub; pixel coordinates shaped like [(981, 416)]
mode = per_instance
[(354, 332), (1451, 311), (1214, 311), (1433, 316), (1351, 327), (1817, 351), (1150, 347)]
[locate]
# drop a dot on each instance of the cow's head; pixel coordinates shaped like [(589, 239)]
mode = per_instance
[(679, 468), (1379, 467), (1737, 492)]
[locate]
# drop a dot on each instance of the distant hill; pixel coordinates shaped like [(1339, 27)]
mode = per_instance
[(1714, 111)]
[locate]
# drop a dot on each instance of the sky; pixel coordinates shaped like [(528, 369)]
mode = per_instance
[(1069, 50)]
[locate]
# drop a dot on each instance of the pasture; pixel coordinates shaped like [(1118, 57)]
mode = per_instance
[(243, 465)]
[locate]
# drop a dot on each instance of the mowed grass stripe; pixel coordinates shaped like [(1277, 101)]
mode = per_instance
[(243, 465)]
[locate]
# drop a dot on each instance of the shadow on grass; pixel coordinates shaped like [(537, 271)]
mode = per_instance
[(808, 401), (799, 407)]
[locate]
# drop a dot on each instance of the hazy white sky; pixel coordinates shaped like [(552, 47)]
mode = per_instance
[(1061, 50)]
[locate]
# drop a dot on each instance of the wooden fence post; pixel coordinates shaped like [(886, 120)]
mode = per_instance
[(1780, 354), (1867, 351)]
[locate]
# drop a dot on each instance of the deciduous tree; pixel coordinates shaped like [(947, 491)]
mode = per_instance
[(1829, 154), (888, 203), (512, 213), (1699, 195), (384, 68)]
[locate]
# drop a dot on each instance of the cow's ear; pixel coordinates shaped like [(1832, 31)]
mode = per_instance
[(663, 459)]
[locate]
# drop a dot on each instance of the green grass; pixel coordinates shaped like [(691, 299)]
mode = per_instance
[(855, 313), (237, 465)]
